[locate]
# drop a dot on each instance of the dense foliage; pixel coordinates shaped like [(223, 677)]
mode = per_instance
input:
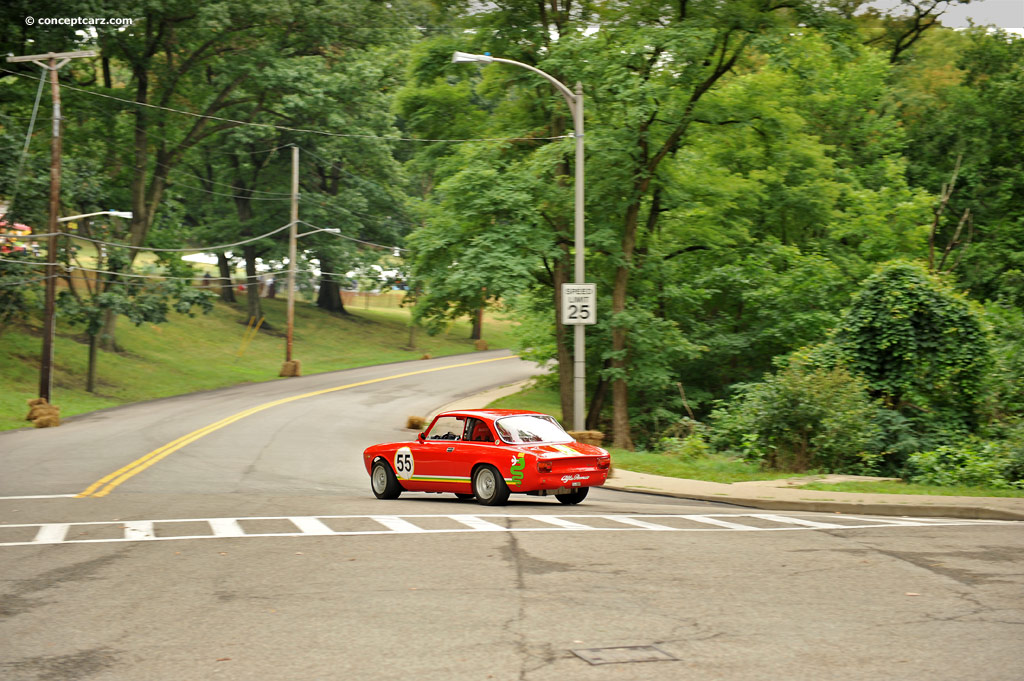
[(762, 177)]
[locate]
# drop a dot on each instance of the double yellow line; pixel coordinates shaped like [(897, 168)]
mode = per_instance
[(104, 485)]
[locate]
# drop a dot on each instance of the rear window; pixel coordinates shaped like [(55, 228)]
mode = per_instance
[(530, 428)]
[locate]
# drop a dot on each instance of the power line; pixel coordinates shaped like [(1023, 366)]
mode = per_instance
[(201, 249), (291, 129), (352, 238)]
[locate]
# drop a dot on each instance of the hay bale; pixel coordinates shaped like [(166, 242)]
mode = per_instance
[(588, 437), (39, 407), (47, 421), (42, 414), (481, 344), (290, 369), (415, 422), (426, 356)]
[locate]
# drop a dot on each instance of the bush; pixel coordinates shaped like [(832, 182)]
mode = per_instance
[(689, 448), (803, 418), (973, 463)]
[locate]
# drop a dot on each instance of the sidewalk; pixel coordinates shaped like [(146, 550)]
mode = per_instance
[(783, 495)]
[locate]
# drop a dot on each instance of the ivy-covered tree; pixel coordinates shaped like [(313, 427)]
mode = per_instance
[(920, 346)]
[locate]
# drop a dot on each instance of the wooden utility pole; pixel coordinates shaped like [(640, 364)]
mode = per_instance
[(292, 254), (49, 313)]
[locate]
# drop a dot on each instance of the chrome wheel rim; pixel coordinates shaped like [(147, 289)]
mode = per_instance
[(380, 479), (485, 483)]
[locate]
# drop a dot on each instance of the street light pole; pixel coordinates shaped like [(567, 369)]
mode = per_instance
[(49, 310), (575, 102)]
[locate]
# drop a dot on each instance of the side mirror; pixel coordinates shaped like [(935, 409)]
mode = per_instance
[(421, 436)]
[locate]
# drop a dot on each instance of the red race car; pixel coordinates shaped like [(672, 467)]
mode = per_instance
[(488, 454)]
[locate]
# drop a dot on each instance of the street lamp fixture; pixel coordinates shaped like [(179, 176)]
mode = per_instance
[(575, 102), (115, 213)]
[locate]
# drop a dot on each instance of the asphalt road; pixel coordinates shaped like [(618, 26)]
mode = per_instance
[(256, 551)]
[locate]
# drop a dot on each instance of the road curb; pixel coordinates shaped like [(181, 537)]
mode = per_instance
[(853, 506)]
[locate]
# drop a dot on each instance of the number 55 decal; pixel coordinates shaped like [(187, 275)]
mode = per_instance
[(403, 463)]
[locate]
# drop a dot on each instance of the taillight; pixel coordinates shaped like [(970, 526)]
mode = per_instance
[(544, 466), (603, 463)]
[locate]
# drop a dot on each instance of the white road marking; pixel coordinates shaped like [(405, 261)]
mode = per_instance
[(53, 533), (396, 524), (226, 527), (311, 525), (307, 526), (640, 523), (139, 529), (798, 521), (41, 496), (479, 523), (561, 522), (715, 521)]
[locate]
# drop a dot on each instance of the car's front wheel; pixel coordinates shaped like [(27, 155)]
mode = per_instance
[(573, 497), (489, 487), (383, 481)]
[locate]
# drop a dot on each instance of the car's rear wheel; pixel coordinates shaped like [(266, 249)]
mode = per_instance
[(489, 487), (383, 481), (463, 497), (573, 497)]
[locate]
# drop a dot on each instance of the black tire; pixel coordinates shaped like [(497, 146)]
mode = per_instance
[(463, 497), (573, 497), (489, 487), (383, 482)]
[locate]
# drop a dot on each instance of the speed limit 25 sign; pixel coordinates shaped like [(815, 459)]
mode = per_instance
[(579, 304)]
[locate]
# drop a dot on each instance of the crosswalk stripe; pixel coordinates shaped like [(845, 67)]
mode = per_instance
[(796, 521), (562, 522), (139, 529), (479, 523), (396, 524), (53, 533), (226, 527), (309, 526), (708, 520)]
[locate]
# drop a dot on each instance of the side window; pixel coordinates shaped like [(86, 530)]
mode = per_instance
[(477, 431), (446, 428)]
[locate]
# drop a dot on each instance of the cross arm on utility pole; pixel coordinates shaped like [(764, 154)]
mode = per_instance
[(51, 58)]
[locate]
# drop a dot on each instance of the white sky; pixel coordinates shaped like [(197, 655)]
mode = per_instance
[(1007, 14)]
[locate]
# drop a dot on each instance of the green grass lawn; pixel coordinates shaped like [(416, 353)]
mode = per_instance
[(205, 352), (713, 468), (543, 400)]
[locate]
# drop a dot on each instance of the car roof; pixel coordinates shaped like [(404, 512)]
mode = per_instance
[(489, 414)]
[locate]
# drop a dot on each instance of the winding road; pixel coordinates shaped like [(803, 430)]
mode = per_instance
[(232, 535)]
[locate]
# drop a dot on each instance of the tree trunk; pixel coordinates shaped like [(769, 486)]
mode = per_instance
[(252, 283), (108, 336), (90, 377), (620, 390), (597, 401), (227, 288), (329, 297)]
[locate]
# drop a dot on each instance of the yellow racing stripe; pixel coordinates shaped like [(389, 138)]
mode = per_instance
[(104, 485)]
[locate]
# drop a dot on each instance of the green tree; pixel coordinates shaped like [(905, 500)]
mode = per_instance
[(920, 346)]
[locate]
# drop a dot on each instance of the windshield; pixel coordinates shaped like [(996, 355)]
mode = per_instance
[(530, 428)]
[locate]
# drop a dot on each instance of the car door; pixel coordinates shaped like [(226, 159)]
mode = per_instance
[(432, 462)]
